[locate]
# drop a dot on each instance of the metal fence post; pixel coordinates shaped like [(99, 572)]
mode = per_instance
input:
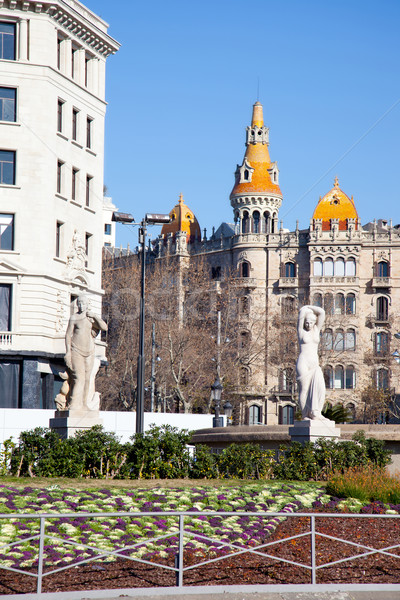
[(313, 560), (41, 551), (180, 552)]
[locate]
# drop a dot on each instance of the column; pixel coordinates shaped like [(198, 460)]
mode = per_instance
[(23, 39)]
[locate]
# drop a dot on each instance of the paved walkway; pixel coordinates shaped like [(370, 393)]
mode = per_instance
[(370, 595)]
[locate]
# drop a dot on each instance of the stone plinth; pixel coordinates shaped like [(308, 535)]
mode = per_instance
[(67, 422), (311, 431)]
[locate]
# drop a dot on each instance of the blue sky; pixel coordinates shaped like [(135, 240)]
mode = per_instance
[(181, 88)]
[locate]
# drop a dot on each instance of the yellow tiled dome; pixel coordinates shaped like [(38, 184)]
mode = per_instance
[(335, 205), (183, 219)]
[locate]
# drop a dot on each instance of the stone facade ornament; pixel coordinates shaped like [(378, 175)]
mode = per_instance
[(76, 256)]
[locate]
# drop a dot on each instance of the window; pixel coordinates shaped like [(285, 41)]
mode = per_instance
[(58, 238), (244, 376), (328, 304), (245, 222), (10, 383), (5, 307), (339, 304), (287, 415), (328, 376), (382, 269), (75, 124), (107, 230), (382, 308), (6, 232), (318, 267), (328, 267), (60, 104), (339, 340), (87, 59), (317, 300), (244, 269), (287, 380), (215, 272), (74, 182), (382, 379), (255, 415), (327, 339), (339, 267), (60, 182), (288, 306), (7, 40), (350, 267), (350, 381), (246, 174), (8, 103), (256, 221), (350, 342), (290, 269), (244, 339), (382, 343), (88, 243), (244, 305), (339, 378), (350, 304), (267, 222), (88, 189), (89, 132), (7, 167), (59, 46)]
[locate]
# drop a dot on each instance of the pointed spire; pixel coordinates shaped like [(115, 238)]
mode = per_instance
[(258, 118), (336, 182), (181, 198)]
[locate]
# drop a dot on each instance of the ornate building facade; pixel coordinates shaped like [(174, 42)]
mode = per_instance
[(353, 271), (52, 110)]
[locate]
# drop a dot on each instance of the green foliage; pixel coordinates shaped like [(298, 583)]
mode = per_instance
[(237, 461), (369, 484), (6, 450), (204, 464), (338, 413), (317, 461), (160, 453)]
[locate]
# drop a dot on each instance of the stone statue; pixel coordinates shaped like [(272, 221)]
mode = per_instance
[(309, 374), (82, 330)]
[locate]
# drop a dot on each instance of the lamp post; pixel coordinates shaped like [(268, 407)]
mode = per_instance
[(149, 219), (216, 391), (228, 408)]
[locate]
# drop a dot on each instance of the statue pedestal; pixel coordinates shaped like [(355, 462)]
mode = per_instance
[(311, 431), (67, 422)]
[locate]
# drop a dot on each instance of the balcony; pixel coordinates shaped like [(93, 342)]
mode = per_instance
[(378, 320), (6, 339), (288, 282), (245, 282), (381, 283), (331, 281)]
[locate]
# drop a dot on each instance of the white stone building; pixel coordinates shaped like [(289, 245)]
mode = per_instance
[(52, 105)]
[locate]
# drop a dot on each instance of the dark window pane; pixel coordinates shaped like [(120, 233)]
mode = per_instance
[(7, 41), (7, 167), (9, 384), (6, 231), (5, 307), (7, 104)]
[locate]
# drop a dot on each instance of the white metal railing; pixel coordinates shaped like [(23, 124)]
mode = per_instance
[(5, 339), (186, 534)]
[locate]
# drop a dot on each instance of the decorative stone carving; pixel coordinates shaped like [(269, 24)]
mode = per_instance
[(76, 256)]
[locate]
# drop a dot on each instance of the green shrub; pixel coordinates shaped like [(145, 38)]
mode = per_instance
[(204, 463), (245, 461), (6, 451), (367, 484), (160, 453)]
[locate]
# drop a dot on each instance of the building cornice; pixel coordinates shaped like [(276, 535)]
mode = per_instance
[(74, 18)]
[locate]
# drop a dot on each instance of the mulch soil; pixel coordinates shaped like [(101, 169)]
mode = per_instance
[(247, 569)]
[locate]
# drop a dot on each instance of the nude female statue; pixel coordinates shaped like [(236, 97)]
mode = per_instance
[(309, 374), (82, 330)]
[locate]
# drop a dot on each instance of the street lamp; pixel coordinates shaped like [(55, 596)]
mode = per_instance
[(216, 391), (149, 219), (228, 408)]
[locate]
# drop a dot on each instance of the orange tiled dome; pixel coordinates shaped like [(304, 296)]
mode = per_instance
[(257, 158), (183, 219), (335, 205)]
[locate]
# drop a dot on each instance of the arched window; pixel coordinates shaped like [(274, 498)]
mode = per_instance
[(318, 267), (328, 376), (381, 343), (244, 305), (328, 304), (339, 378), (328, 267), (244, 269), (245, 222), (339, 304), (382, 379), (382, 308), (255, 415), (350, 378), (288, 305), (382, 269), (244, 376), (290, 269), (339, 267), (351, 407), (317, 300), (327, 339), (339, 340), (350, 342), (267, 222), (350, 304), (256, 221), (350, 267), (287, 415), (246, 174)]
